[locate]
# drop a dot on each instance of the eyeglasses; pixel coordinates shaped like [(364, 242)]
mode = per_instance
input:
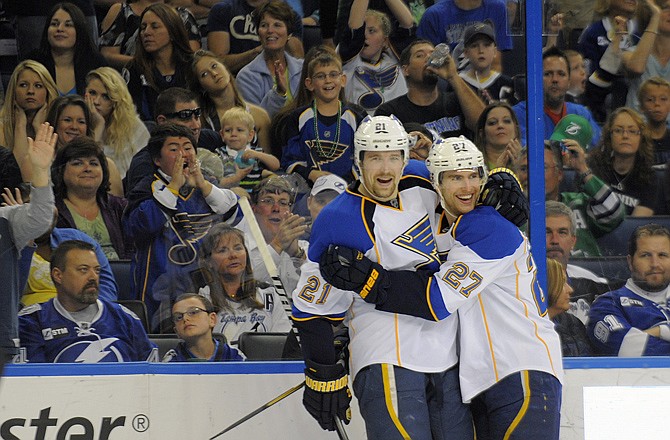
[(177, 317), (185, 115), (620, 131), (331, 76), (271, 202)]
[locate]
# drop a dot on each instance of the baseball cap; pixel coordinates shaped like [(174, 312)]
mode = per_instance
[(573, 127), (328, 182), (479, 28)]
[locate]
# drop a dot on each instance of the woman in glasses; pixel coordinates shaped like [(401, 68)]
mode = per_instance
[(273, 77), (117, 124), (194, 317), (244, 304), (624, 161), (81, 179), (161, 59), (71, 118), (218, 92)]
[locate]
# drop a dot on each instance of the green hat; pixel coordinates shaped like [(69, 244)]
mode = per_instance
[(573, 127)]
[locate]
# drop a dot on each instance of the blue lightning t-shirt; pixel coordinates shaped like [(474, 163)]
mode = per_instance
[(50, 334)]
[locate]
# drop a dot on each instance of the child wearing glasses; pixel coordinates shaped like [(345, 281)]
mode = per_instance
[(321, 133), (194, 317), (243, 165)]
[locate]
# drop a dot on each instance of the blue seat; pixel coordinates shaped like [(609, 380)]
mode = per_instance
[(616, 242), (122, 275), (614, 269)]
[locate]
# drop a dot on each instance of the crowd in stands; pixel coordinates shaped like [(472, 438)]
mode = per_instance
[(166, 113)]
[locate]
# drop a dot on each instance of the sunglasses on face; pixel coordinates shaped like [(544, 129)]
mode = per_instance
[(185, 115)]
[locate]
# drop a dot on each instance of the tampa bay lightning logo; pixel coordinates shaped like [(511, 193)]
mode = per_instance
[(419, 239), (91, 352), (375, 82)]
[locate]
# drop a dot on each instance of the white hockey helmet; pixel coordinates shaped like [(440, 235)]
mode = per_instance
[(380, 133), (453, 154)]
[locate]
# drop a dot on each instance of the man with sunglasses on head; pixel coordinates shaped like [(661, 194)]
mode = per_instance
[(176, 106)]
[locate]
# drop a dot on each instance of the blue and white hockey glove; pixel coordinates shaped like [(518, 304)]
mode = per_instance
[(327, 393), (349, 269), (503, 191)]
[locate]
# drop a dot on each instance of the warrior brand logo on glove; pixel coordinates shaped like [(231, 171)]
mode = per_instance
[(369, 284), (326, 386)]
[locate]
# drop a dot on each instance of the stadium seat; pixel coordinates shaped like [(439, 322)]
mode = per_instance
[(122, 275), (265, 346), (614, 269), (138, 308), (165, 342), (616, 242)]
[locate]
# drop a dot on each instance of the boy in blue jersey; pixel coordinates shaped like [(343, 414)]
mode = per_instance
[(77, 326), (321, 134)]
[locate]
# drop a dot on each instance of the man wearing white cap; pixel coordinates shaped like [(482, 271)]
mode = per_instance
[(325, 189)]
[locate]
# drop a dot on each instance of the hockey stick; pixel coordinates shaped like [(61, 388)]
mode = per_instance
[(280, 397), (267, 259)]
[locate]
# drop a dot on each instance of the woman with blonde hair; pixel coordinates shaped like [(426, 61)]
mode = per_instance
[(218, 92), (29, 93), (117, 125)]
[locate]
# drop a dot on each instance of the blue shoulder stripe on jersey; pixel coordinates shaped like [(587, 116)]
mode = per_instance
[(435, 301), (299, 315), (417, 168), (487, 233)]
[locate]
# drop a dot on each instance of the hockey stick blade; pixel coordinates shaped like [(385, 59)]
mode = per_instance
[(280, 397)]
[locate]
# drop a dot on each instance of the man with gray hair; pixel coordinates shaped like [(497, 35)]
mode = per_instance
[(561, 239), (635, 319)]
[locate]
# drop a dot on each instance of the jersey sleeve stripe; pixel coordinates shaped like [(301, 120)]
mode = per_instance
[(396, 328), (435, 301), (299, 315)]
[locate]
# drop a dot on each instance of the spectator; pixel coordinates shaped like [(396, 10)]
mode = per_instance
[(161, 59), (117, 126), (623, 160), (29, 92), (178, 106), (71, 118), (121, 29), (233, 36), (67, 49), (479, 48), (562, 235), (92, 330), (244, 304), (243, 166), (194, 317), (571, 331), (81, 180), (445, 113), (167, 214), (217, 95), (19, 225), (325, 189), (445, 22), (633, 320), (497, 136), (272, 77), (321, 134), (654, 97), (556, 82), (577, 77), (369, 52)]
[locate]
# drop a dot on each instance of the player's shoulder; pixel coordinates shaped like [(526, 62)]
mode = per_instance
[(487, 233), (416, 168)]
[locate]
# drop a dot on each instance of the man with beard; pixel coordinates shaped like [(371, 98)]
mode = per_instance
[(450, 114), (556, 82), (635, 320), (76, 326)]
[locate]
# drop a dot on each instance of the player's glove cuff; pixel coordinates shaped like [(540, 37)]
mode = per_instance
[(327, 393), (503, 191), (349, 269)]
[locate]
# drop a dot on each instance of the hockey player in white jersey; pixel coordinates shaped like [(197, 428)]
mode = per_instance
[(510, 356), (404, 368)]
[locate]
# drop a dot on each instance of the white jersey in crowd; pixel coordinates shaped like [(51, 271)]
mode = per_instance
[(398, 238), (232, 323), (490, 279)]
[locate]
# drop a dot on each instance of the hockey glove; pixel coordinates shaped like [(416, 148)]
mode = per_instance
[(327, 393), (349, 269), (503, 191)]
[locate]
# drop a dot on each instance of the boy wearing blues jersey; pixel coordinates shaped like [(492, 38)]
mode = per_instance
[(510, 356), (404, 369)]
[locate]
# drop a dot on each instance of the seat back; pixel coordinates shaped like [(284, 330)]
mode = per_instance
[(614, 269), (164, 342), (122, 275), (139, 309), (616, 242), (264, 346)]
